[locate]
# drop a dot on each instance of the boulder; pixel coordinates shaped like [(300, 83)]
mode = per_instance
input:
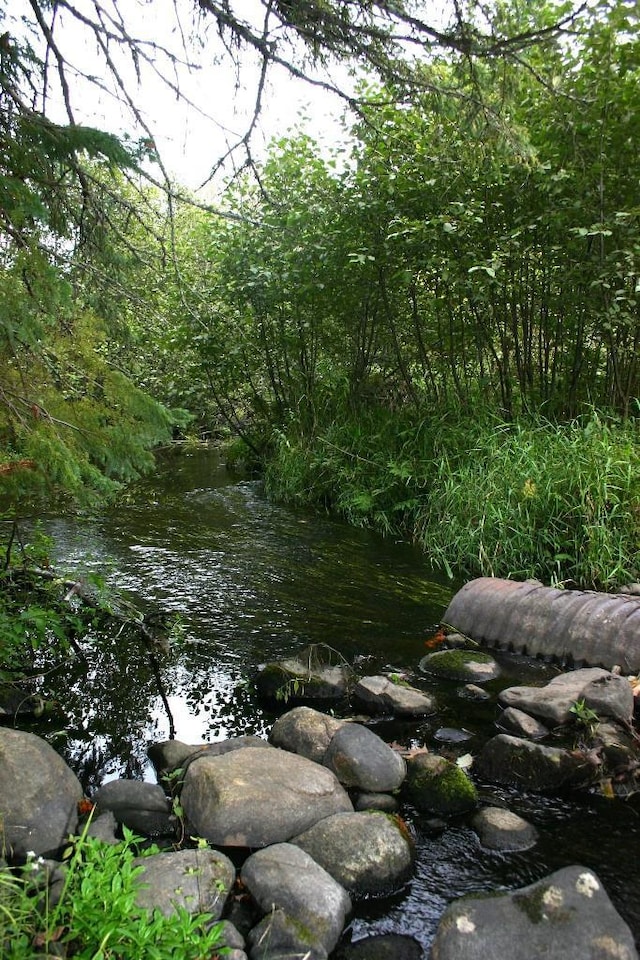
[(608, 694), (142, 807), (197, 881), (568, 915), (255, 797), (435, 785), (171, 756), (39, 796), (521, 724), (360, 758), (532, 766), (367, 853), (383, 695), (468, 666), (305, 731), (305, 908), (503, 830)]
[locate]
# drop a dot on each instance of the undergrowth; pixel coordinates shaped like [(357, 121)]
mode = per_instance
[(533, 498), (95, 917)]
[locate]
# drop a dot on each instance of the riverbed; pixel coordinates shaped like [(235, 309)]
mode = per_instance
[(247, 581)]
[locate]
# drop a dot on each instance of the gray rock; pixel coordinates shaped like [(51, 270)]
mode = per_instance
[(568, 915), (521, 724), (435, 785), (255, 797), (605, 692), (232, 942), (381, 695), (305, 731), (386, 946), (376, 801), (503, 830), (142, 807), (305, 909), (360, 758), (39, 795), (169, 755), (470, 691), (367, 853), (104, 828), (469, 666), (532, 766), (197, 880)]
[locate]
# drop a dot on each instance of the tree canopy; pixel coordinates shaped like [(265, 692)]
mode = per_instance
[(473, 243)]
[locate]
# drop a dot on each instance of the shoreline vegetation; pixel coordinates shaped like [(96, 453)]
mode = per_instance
[(481, 496)]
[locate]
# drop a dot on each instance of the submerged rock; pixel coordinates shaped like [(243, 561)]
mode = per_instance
[(468, 666), (435, 785), (383, 695), (309, 675), (385, 946), (39, 796), (367, 853), (359, 758), (255, 797), (532, 766), (568, 915), (304, 907), (503, 830)]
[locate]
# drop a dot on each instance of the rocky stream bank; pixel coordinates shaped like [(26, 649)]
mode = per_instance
[(304, 825)]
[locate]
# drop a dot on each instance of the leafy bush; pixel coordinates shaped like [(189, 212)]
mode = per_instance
[(96, 916)]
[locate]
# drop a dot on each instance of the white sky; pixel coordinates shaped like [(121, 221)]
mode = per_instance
[(190, 139)]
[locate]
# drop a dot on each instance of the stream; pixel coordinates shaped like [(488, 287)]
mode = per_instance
[(251, 582)]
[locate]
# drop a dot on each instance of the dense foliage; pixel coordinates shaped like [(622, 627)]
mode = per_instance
[(443, 321)]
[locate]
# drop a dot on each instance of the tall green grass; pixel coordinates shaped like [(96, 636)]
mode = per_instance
[(560, 502)]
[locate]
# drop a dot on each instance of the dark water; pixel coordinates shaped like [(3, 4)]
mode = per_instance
[(251, 582)]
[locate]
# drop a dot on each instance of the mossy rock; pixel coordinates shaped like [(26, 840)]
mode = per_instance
[(435, 785), (468, 666)]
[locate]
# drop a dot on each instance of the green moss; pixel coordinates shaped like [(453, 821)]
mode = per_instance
[(436, 785), (459, 665)]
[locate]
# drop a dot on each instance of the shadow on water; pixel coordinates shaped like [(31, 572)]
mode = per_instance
[(251, 581)]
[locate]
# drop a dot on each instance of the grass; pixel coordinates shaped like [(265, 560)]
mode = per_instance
[(560, 502)]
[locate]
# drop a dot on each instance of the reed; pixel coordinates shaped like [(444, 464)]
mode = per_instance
[(533, 498)]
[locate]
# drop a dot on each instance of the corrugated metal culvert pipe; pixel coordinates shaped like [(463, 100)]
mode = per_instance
[(579, 626)]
